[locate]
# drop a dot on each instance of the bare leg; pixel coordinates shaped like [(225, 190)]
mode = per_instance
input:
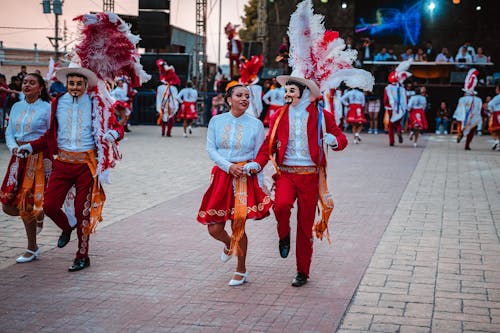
[(30, 227), (218, 232), (242, 256)]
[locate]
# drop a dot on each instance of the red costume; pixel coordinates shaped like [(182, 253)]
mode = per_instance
[(234, 49), (303, 186)]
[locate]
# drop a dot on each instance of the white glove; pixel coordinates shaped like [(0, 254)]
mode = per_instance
[(251, 166), (330, 140), (111, 136), (24, 150)]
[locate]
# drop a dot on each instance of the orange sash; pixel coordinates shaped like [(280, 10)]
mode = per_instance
[(98, 197), (166, 94), (240, 211), (33, 182)]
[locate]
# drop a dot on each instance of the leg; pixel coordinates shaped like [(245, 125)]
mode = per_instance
[(60, 181), (163, 126), (306, 203), (83, 195), (469, 138), (445, 126), (438, 125), (29, 220), (218, 232), (391, 134), (285, 195), (170, 124), (416, 132), (185, 125)]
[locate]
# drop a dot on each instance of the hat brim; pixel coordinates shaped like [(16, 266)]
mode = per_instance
[(313, 87), (91, 77)]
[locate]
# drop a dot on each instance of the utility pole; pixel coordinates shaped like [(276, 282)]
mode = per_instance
[(262, 25), (220, 32), (56, 7)]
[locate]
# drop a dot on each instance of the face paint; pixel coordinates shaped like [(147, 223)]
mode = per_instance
[(76, 85), (292, 93)]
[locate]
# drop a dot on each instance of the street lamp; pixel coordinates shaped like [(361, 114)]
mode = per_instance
[(56, 6)]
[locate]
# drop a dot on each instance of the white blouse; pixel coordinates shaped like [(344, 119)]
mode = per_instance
[(233, 139), (28, 121)]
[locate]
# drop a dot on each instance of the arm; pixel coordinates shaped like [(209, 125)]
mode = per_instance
[(9, 137), (214, 155), (266, 96), (332, 128)]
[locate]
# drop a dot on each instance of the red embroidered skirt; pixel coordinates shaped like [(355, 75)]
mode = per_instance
[(187, 111), (495, 121), (355, 115), (218, 202), (418, 119)]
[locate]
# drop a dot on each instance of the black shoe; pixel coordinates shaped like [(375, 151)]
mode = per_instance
[(284, 246), (459, 137), (64, 238), (391, 144), (79, 264), (400, 138), (467, 148), (299, 280)]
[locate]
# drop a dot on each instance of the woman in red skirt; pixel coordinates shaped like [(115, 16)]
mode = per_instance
[(354, 99), (233, 138), (24, 183), (188, 97), (418, 120)]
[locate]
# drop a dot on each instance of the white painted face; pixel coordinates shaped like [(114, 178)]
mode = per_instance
[(76, 85), (292, 94)]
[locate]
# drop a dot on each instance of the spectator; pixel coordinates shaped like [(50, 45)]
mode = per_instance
[(420, 56), (480, 57), (366, 49), (407, 55), (22, 74), (463, 57), (468, 49), (3, 99), (429, 51), (382, 55), (392, 55), (442, 118), (444, 56)]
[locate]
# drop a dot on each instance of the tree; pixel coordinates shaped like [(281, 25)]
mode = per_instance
[(249, 31)]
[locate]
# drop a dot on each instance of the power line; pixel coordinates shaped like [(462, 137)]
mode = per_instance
[(25, 28)]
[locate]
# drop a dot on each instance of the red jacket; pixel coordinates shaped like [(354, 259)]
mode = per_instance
[(282, 133), (49, 139)]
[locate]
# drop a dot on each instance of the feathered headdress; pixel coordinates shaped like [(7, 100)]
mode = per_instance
[(167, 73), (471, 81), (230, 30), (400, 74), (319, 55), (51, 73), (249, 70), (108, 48)]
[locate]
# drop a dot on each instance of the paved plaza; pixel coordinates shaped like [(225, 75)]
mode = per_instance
[(415, 248)]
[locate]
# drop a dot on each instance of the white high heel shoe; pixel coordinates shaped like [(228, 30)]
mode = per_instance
[(225, 257), (234, 282), (34, 255)]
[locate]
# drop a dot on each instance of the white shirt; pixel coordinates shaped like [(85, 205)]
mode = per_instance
[(255, 106), (275, 96), (353, 96), (233, 139), (74, 120), (297, 150), (417, 102), (28, 121), (120, 93), (188, 95), (494, 104)]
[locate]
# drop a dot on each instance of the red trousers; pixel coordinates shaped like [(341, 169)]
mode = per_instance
[(304, 188), (63, 177), (393, 127), (167, 125)]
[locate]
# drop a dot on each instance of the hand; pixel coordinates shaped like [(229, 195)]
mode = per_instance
[(251, 168), (330, 140), (14, 151), (236, 170), (24, 150), (111, 136)]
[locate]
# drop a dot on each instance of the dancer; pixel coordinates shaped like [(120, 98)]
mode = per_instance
[(300, 132), (234, 49), (166, 97), (468, 110), (395, 100), (494, 122), (233, 138), (23, 187), (83, 131), (275, 99), (354, 99), (418, 120), (188, 97)]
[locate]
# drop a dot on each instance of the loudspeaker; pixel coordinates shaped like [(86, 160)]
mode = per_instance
[(154, 4), (154, 29), (252, 49)]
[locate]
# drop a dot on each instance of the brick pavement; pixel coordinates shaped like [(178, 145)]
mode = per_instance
[(157, 270)]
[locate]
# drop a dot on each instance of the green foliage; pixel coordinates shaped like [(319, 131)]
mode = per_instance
[(249, 30)]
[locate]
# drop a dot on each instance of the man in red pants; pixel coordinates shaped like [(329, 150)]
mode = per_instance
[(297, 145), (395, 100), (79, 152)]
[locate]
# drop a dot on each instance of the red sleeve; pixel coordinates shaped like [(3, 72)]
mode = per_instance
[(263, 155), (115, 125), (387, 105), (42, 142), (332, 128)]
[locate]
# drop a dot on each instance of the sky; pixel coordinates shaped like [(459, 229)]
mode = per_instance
[(19, 15)]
